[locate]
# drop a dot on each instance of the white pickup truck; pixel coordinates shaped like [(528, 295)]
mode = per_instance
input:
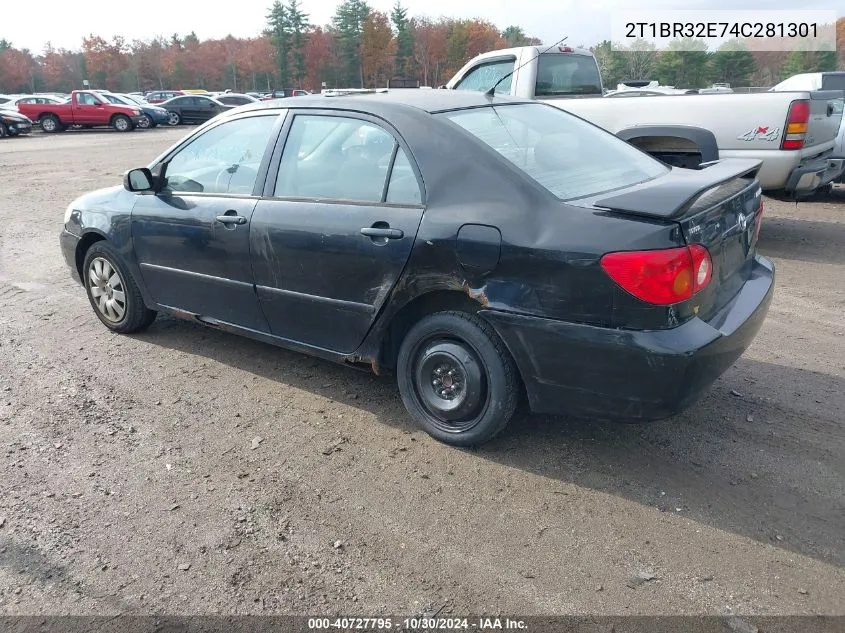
[(792, 133)]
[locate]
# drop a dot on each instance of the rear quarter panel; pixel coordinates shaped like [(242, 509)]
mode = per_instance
[(36, 110)]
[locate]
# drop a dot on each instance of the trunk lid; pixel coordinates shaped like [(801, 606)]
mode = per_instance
[(719, 207)]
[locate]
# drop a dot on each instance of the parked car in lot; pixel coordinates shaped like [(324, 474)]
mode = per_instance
[(792, 133), (38, 99), (193, 109), (13, 123), (236, 99), (480, 248), (160, 96), (151, 115), (86, 108)]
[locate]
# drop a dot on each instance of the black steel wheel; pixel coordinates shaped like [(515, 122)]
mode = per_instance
[(456, 378)]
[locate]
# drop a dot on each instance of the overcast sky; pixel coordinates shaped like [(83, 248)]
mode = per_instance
[(547, 19)]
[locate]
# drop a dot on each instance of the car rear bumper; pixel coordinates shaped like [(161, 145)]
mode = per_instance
[(68, 242), (632, 375)]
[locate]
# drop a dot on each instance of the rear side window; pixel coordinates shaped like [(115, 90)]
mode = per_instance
[(483, 77), (569, 157), (567, 74), (833, 81)]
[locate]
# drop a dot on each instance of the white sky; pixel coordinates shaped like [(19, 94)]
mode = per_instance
[(546, 19)]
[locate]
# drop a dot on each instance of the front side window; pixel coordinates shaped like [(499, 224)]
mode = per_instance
[(86, 98), (483, 77), (335, 158), (225, 159), (569, 157)]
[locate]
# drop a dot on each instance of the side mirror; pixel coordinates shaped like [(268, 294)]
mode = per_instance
[(137, 180)]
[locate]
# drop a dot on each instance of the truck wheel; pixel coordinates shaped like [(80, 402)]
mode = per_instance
[(457, 379), (121, 123), (174, 118), (50, 123)]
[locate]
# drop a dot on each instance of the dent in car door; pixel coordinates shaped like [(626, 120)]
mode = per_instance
[(192, 241), (329, 246)]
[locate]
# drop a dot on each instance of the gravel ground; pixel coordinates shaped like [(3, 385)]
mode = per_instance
[(188, 471)]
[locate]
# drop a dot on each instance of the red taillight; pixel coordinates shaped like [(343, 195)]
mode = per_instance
[(796, 125), (564, 49), (661, 277)]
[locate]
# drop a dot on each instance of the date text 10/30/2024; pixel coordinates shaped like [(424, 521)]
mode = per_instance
[(412, 624)]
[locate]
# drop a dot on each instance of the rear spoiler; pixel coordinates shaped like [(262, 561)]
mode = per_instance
[(668, 197)]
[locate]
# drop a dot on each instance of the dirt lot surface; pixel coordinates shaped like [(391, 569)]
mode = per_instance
[(189, 471)]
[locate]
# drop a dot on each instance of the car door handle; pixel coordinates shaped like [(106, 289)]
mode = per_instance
[(231, 218), (391, 234)]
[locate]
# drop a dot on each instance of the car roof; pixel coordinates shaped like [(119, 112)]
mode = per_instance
[(384, 102)]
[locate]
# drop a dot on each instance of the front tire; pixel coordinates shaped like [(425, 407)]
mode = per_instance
[(3, 131), (145, 122), (457, 379), (112, 291), (174, 118), (121, 123)]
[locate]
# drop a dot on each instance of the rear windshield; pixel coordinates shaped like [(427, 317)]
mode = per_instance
[(566, 74), (566, 155)]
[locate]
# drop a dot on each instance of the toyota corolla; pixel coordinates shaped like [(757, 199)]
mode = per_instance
[(484, 250)]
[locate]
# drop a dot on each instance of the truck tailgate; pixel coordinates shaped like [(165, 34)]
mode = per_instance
[(823, 126)]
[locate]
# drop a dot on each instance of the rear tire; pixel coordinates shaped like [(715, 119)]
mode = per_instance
[(50, 123), (112, 291), (457, 379)]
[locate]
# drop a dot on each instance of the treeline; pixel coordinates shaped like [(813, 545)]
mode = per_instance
[(689, 64), (360, 48)]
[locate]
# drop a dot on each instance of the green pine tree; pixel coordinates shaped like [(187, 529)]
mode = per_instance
[(279, 32), (298, 23), (348, 22), (404, 40)]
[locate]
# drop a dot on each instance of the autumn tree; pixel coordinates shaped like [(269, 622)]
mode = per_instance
[(377, 49), (104, 60), (515, 36), (404, 40), (638, 59), (431, 41), (17, 70), (798, 62), (348, 22)]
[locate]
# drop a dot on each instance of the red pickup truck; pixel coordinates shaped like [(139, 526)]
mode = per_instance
[(85, 109)]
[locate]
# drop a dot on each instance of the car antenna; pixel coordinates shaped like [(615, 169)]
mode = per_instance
[(492, 90)]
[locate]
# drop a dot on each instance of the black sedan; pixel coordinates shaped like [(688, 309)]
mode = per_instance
[(193, 109), (481, 248), (13, 123)]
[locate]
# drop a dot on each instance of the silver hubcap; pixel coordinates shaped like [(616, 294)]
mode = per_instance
[(106, 288), (144, 122), (48, 124), (121, 124), (174, 118)]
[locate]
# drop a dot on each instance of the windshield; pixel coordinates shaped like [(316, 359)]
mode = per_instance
[(567, 74), (569, 157)]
